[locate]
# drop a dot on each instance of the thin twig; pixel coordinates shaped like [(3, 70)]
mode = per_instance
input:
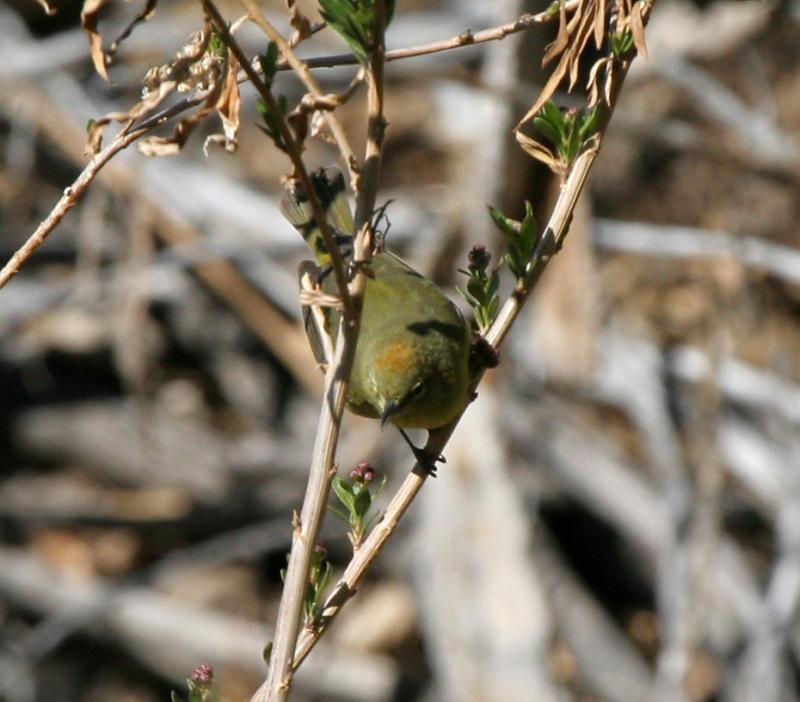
[(311, 83), (293, 149), (72, 193), (466, 38), (550, 243), (337, 379), (281, 669)]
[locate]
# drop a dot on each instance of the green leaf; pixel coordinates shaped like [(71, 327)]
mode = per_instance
[(362, 502), (589, 123), (475, 287), (470, 300), (621, 43), (344, 491), (503, 223), (216, 45), (355, 22), (269, 62), (553, 114), (547, 130), (271, 126), (325, 579)]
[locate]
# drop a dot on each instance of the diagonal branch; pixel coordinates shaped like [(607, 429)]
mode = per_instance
[(549, 244), (72, 193), (466, 38), (311, 83)]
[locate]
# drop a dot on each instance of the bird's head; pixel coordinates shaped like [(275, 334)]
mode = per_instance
[(401, 378)]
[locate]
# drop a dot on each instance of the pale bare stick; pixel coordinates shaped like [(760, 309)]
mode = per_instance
[(466, 38), (293, 149), (311, 83), (307, 525), (277, 686), (550, 243), (73, 193)]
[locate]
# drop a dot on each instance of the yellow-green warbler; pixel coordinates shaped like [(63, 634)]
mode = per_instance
[(412, 357)]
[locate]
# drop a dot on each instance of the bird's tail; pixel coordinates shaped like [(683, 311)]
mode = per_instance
[(332, 192)]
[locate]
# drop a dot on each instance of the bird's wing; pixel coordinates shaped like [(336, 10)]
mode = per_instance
[(332, 193), (316, 318)]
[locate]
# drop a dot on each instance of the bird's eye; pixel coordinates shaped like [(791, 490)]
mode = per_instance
[(416, 390)]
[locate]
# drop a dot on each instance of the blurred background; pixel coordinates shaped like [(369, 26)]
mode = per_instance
[(619, 514)]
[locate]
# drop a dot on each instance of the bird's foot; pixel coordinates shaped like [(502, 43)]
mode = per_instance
[(427, 460), (424, 458)]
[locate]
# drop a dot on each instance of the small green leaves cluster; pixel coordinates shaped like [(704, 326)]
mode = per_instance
[(272, 120), (569, 131), (523, 237), (200, 686), (269, 62), (621, 43), (319, 575), (553, 8), (482, 285), (357, 496), (355, 21), (216, 45)]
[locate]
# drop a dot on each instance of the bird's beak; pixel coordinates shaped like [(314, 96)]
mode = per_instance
[(388, 410)]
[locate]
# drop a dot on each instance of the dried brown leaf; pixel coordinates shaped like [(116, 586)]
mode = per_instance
[(90, 16), (578, 44), (169, 146), (47, 7), (562, 38), (229, 108), (147, 104), (600, 23), (537, 150), (593, 84), (637, 29), (300, 23), (548, 90)]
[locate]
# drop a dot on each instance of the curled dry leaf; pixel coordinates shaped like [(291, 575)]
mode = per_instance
[(300, 24), (96, 127), (90, 16), (192, 69), (600, 23), (562, 38), (169, 146), (538, 151), (47, 7), (588, 20), (229, 108), (637, 29)]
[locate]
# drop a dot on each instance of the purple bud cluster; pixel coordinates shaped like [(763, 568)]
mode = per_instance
[(478, 257), (363, 472)]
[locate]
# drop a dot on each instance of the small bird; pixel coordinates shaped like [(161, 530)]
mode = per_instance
[(411, 365)]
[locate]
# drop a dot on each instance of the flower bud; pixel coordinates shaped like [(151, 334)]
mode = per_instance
[(203, 674), (478, 257), (363, 472)]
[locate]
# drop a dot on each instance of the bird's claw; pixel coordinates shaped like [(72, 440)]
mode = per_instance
[(427, 460)]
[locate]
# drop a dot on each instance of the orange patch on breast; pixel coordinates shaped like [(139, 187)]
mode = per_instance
[(398, 357)]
